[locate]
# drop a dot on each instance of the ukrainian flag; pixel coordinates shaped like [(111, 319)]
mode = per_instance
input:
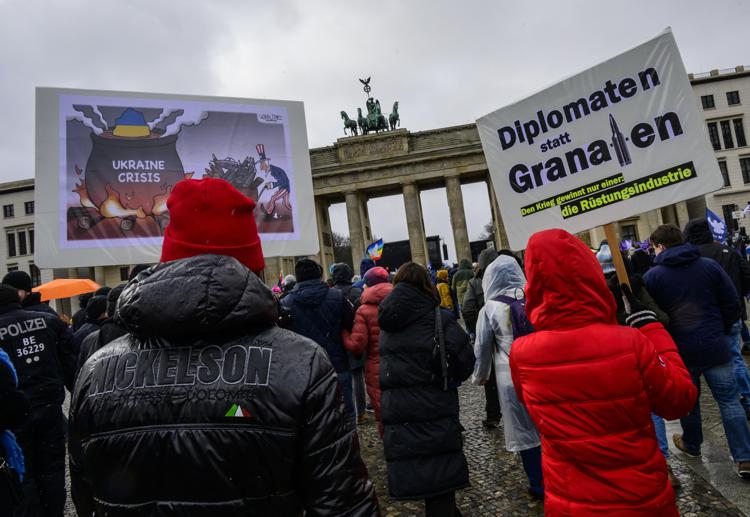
[(131, 124)]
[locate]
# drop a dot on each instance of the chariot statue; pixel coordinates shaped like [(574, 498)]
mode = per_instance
[(374, 120)]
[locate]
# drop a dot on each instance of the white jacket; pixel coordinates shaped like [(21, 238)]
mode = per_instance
[(494, 339)]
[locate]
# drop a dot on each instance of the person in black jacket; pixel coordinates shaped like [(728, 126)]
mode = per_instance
[(702, 305), (342, 275), (79, 318), (206, 408), (30, 300), (109, 330), (320, 313), (423, 441), (39, 345), (95, 316), (470, 306), (699, 235)]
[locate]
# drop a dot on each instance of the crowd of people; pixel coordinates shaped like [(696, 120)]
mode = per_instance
[(197, 390)]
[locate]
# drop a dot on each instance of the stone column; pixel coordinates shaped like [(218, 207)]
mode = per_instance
[(355, 226), (272, 270), (682, 214), (501, 239), (99, 277), (458, 217), (364, 217), (597, 236), (414, 223), (325, 236), (669, 215)]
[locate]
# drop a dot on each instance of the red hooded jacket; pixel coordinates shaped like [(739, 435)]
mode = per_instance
[(590, 386), (365, 337)]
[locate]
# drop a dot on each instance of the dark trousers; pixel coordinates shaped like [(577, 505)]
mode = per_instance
[(42, 441), (492, 400), (441, 506), (532, 464), (358, 391)]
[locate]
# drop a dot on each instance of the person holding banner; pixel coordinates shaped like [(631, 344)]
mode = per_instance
[(703, 307), (590, 385)]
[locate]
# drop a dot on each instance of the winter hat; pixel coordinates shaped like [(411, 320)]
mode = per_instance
[(84, 299), (95, 308), (210, 216), (8, 295), (486, 256), (290, 280), (604, 256), (443, 275), (376, 275), (307, 269), (342, 273), (18, 279), (102, 291), (112, 297)]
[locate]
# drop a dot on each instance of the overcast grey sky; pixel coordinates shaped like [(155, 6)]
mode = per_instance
[(446, 62)]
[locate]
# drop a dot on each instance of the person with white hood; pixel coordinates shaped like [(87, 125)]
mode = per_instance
[(494, 338)]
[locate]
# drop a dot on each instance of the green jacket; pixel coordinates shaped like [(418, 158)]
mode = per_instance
[(461, 279)]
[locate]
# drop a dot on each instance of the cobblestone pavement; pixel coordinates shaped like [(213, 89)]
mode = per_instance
[(498, 483)]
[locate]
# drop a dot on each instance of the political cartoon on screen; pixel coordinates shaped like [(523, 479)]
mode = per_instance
[(121, 158)]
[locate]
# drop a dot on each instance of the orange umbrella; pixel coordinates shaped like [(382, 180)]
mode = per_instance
[(65, 288)]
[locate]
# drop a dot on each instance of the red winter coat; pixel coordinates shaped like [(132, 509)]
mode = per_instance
[(364, 339), (590, 386)]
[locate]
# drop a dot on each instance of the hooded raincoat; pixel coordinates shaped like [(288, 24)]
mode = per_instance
[(493, 345), (590, 386), (461, 279)]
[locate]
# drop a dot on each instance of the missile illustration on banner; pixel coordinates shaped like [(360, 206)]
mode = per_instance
[(618, 142)]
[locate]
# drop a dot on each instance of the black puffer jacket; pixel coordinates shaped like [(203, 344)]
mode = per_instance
[(423, 440), (342, 277), (109, 330), (206, 409), (699, 235)]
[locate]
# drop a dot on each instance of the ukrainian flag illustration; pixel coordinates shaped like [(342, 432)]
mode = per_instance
[(131, 124)]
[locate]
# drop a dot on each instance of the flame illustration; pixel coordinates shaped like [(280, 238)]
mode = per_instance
[(83, 194), (160, 201), (112, 207)]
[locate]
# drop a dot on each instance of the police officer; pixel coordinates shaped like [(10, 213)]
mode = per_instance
[(30, 300), (40, 347)]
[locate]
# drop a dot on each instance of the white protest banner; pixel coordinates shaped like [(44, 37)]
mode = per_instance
[(107, 161), (616, 140)]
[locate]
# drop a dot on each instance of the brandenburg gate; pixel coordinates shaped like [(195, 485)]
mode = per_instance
[(357, 168)]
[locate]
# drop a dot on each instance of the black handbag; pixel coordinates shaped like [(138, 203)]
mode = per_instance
[(10, 484)]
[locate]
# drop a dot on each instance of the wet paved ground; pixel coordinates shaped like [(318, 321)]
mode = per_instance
[(498, 484)]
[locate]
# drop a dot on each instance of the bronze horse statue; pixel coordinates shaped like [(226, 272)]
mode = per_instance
[(349, 124), (393, 118)]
